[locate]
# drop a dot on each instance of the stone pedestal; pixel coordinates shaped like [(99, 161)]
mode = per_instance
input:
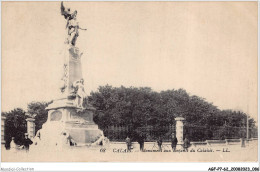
[(78, 123), (72, 68), (30, 127), (70, 117), (179, 132), (3, 129)]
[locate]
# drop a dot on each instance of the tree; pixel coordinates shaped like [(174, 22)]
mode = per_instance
[(142, 111), (15, 126), (38, 108), (137, 108)]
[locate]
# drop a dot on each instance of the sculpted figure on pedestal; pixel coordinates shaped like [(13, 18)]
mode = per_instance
[(80, 92), (72, 25)]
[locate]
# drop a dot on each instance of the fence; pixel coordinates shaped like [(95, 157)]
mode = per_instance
[(119, 133), (194, 133), (202, 133)]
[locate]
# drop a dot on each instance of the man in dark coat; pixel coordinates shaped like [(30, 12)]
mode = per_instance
[(174, 142), (159, 142), (141, 142), (27, 142), (186, 144)]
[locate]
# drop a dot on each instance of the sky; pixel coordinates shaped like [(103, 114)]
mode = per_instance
[(207, 48)]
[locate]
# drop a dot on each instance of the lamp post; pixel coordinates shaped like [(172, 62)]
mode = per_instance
[(247, 128)]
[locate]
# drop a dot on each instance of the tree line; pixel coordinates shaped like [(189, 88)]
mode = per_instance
[(142, 108)]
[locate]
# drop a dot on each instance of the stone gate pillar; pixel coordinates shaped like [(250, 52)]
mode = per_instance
[(30, 127), (179, 131), (3, 129)]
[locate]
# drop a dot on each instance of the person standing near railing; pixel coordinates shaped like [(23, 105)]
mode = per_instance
[(243, 142), (186, 144), (140, 140), (159, 142), (174, 142), (128, 144), (27, 142), (13, 145)]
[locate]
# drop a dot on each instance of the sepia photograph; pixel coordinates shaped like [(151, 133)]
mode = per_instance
[(129, 81)]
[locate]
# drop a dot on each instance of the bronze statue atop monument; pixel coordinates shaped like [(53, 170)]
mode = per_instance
[(72, 24)]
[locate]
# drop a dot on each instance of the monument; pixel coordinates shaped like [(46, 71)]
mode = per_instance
[(70, 117)]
